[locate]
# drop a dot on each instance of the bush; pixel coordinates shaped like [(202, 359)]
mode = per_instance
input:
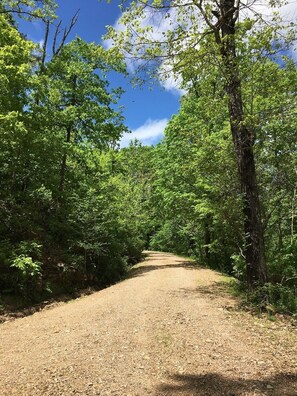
[(238, 266), (27, 274), (275, 298), (283, 265), (20, 268)]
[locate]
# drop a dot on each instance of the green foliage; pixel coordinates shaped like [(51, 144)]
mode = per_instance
[(238, 266), (283, 266), (61, 200), (275, 298), (27, 271), (196, 187), (75, 210), (29, 9), (20, 268), (171, 238), (234, 74)]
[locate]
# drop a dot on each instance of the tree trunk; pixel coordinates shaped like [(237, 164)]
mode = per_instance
[(68, 138), (64, 161), (243, 139), (207, 238)]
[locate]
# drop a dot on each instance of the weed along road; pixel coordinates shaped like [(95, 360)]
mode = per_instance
[(169, 329)]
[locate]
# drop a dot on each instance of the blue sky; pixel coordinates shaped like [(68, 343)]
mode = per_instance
[(146, 110)]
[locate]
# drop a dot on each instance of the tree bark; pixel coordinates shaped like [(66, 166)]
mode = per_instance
[(69, 130), (243, 139), (207, 237), (64, 161)]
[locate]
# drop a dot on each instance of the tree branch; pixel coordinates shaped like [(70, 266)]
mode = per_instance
[(56, 50)]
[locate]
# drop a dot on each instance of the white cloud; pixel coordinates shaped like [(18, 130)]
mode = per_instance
[(160, 23), (169, 80), (172, 85), (159, 26), (288, 10), (151, 132)]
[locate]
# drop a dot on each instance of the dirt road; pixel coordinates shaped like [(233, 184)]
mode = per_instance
[(167, 330)]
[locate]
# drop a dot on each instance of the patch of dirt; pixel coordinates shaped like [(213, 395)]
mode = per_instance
[(169, 329)]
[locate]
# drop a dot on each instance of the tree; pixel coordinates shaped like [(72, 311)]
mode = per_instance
[(196, 183), (137, 166), (71, 97), (29, 9), (63, 217), (17, 268), (15, 80), (199, 35), (274, 88)]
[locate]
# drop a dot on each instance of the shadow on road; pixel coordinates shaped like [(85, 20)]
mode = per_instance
[(144, 269), (213, 384), (214, 290)]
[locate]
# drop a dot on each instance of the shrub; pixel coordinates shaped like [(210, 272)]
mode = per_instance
[(275, 298), (26, 275)]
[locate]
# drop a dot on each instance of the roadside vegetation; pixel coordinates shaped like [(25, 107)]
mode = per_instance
[(76, 210)]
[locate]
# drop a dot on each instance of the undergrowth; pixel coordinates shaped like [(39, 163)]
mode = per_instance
[(270, 298)]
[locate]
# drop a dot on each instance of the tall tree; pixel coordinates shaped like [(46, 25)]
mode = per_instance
[(197, 36), (71, 97), (243, 138), (63, 217), (15, 81)]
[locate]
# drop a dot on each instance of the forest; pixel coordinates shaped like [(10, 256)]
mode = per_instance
[(221, 187)]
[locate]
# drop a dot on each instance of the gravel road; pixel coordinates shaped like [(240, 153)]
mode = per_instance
[(169, 329)]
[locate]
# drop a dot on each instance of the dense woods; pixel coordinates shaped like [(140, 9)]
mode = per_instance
[(77, 210)]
